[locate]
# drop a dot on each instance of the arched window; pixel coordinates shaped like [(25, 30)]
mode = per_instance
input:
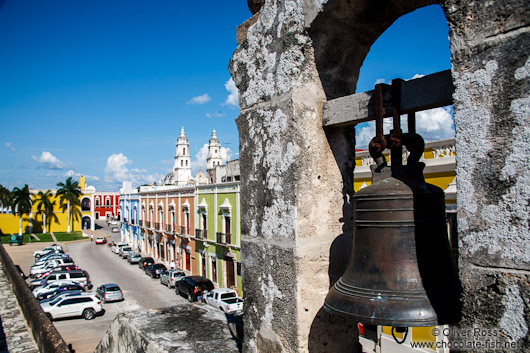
[(85, 204)]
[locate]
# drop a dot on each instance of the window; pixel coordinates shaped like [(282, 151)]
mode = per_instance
[(107, 202), (184, 151), (186, 163), (97, 201), (182, 163)]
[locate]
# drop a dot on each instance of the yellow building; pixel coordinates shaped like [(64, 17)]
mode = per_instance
[(82, 217)]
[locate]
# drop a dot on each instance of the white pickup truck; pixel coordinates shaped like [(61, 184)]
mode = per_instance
[(225, 299)]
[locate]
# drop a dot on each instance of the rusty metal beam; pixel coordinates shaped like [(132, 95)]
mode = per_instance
[(423, 93)]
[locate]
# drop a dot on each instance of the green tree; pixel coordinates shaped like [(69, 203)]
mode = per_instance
[(69, 192), (5, 197), (21, 204), (44, 203)]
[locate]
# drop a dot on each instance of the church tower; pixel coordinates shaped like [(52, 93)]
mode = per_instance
[(214, 152), (182, 167)]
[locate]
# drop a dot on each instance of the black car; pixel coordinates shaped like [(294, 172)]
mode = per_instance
[(155, 270), (145, 261), (193, 287)]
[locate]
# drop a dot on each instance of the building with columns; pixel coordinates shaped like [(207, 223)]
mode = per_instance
[(191, 221)]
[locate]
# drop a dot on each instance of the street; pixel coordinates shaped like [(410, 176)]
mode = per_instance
[(140, 291)]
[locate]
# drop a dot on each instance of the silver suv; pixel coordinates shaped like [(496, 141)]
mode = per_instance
[(170, 277)]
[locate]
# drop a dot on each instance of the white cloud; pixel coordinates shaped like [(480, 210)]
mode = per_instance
[(435, 124), (205, 98), (381, 80), (10, 146), (232, 98), (49, 161), (202, 155), (116, 171), (432, 124), (214, 115), (71, 173)]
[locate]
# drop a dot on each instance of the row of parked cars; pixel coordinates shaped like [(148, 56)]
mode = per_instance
[(62, 288), (194, 288)]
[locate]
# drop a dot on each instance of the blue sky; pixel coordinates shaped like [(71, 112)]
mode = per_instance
[(102, 88)]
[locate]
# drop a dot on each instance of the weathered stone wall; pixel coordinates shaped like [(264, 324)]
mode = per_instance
[(182, 328), (297, 177), (490, 45)]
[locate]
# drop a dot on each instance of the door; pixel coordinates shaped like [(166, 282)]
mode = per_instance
[(230, 273), (227, 230), (65, 308)]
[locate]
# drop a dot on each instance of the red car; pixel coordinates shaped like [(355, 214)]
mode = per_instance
[(101, 240), (58, 268)]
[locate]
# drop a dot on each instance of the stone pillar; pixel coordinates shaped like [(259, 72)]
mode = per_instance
[(490, 45), (296, 177), (295, 207)]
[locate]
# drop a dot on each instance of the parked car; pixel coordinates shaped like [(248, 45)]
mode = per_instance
[(61, 294), (48, 265), (87, 305), (101, 240), (56, 269), (133, 258), (115, 229), (43, 259), (109, 292), (170, 277), (48, 249), (155, 270), (116, 248), (145, 261), (124, 251), (49, 287), (225, 299), (78, 276), (62, 288), (193, 287)]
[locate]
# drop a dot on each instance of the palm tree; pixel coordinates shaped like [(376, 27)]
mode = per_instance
[(45, 205), (69, 191), (21, 204), (5, 198)]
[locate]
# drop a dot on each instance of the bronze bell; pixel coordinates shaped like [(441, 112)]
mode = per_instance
[(401, 271)]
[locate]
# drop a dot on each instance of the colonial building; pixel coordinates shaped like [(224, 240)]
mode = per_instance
[(81, 217), (130, 205), (106, 204), (218, 235), (193, 222)]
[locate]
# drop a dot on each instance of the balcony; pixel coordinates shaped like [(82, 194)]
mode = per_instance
[(133, 221), (158, 226), (224, 238), (141, 223), (125, 221), (148, 224), (184, 230), (201, 234)]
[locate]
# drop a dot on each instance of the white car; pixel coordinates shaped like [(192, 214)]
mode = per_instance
[(116, 248), (87, 305), (47, 249), (48, 287), (225, 299)]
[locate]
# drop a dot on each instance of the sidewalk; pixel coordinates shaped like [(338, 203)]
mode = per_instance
[(14, 334)]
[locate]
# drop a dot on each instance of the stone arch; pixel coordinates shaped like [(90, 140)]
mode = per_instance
[(343, 33), (86, 222)]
